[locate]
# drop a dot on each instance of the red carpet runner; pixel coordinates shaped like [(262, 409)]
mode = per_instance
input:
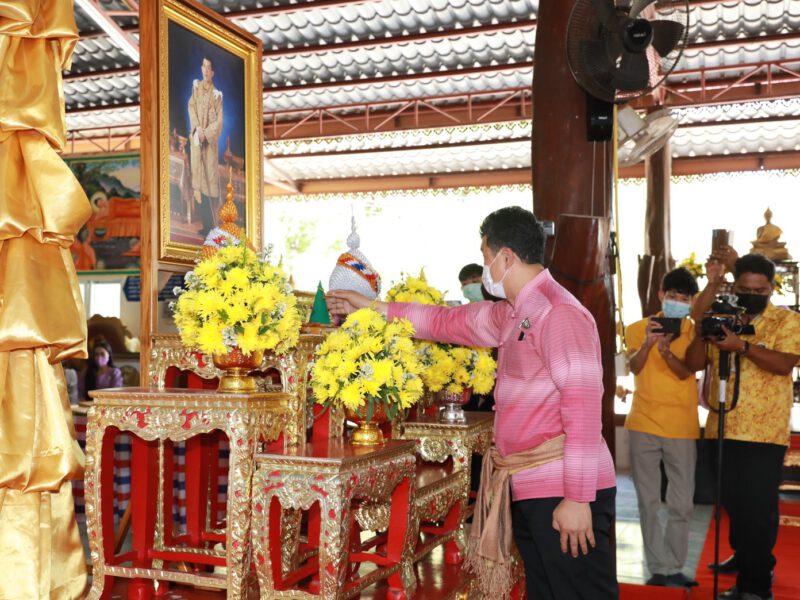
[(787, 573)]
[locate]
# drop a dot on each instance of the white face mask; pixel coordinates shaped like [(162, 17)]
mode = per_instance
[(495, 288)]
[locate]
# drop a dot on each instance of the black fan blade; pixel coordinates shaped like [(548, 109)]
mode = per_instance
[(604, 11), (666, 35), (638, 6), (594, 59), (633, 73)]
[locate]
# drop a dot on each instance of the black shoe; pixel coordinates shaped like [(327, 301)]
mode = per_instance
[(680, 580), (729, 594), (657, 579), (727, 566)]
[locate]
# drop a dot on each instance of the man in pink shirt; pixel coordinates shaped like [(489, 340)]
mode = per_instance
[(549, 384)]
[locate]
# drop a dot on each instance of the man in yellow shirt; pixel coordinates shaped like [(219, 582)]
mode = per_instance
[(757, 425), (663, 426)]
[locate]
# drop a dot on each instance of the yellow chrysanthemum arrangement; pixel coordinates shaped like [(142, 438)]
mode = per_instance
[(691, 265), (455, 368), (368, 361), (415, 289), (447, 366), (237, 298)]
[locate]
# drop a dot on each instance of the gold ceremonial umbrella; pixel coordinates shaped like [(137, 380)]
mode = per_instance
[(42, 321)]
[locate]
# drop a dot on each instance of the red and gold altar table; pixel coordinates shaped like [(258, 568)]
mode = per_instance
[(442, 493), (155, 419), (331, 478)]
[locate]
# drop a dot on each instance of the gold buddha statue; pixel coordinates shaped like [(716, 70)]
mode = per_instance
[(766, 242)]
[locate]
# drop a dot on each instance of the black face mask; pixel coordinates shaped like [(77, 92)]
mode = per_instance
[(753, 303)]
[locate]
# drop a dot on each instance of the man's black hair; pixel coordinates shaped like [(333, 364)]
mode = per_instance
[(755, 263), (515, 228), (470, 271), (679, 280)]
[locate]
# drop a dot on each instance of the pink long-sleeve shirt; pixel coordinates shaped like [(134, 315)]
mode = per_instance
[(549, 382)]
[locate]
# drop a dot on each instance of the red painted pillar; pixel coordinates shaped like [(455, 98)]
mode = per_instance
[(572, 186)]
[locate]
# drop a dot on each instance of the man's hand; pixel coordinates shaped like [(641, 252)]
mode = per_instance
[(663, 347), (730, 343), (652, 333), (202, 133), (573, 520), (715, 269), (727, 256), (344, 302)]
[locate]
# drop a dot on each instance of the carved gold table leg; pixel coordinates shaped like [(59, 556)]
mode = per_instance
[(240, 473)]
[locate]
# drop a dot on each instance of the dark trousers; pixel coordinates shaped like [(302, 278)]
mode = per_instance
[(549, 573), (751, 476), (205, 211)]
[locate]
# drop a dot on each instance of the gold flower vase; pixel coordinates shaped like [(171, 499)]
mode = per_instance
[(452, 405), (368, 432), (237, 367)]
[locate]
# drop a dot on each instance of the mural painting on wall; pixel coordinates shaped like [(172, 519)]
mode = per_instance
[(110, 238)]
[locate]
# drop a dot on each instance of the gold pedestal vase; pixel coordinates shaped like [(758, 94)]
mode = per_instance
[(237, 367), (368, 432)]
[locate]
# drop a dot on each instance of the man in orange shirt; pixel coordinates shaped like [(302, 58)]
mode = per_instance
[(663, 426)]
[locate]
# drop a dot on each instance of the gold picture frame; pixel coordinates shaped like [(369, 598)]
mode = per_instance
[(227, 106)]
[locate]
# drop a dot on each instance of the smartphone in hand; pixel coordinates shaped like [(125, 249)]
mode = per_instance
[(668, 325)]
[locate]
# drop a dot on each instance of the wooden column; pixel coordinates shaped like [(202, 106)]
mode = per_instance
[(657, 259), (572, 186)]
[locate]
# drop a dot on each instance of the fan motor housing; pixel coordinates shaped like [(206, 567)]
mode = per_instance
[(638, 35)]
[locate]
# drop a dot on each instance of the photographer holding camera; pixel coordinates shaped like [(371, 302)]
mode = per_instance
[(663, 426), (757, 425)]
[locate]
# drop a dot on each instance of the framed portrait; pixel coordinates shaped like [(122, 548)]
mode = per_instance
[(209, 98)]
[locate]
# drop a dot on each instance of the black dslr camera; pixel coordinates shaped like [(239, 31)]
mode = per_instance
[(724, 312)]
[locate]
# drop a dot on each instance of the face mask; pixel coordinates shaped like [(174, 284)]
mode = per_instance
[(495, 288), (752, 303), (472, 292), (674, 309), (101, 360)]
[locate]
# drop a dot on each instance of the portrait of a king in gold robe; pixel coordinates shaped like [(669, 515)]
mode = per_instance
[(205, 91), (205, 119)]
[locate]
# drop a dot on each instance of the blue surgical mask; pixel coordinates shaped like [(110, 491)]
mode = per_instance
[(472, 292), (675, 309)]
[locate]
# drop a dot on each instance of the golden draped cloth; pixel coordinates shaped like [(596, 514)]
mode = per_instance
[(42, 321)]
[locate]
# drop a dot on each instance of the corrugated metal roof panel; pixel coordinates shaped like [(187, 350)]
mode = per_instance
[(401, 58), (507, 131), (353, 93), (106, 118), (733, 57), (511, 155), (734, 139), (381, 19), (743, 18)]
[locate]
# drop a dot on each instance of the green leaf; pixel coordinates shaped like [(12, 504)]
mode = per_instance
[(223, 314)]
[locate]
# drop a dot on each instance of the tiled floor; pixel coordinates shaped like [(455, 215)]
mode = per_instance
[(631, 567)]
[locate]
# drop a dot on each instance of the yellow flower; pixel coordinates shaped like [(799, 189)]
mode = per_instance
[(351, 396), (248, 340), (209, 339)]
